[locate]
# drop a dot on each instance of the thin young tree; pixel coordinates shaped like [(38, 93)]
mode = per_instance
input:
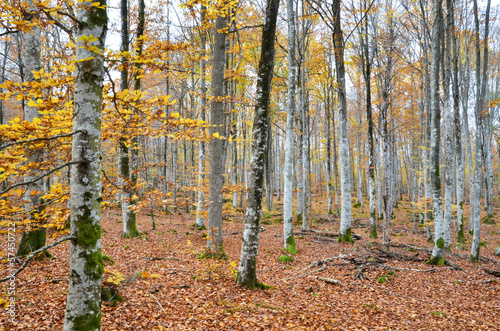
[(289, 240), (248, 260), (83, 304), (481, 88)]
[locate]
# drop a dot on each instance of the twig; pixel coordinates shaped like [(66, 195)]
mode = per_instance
[(151, 294), (28, 259), (41, 139), (38, 177)]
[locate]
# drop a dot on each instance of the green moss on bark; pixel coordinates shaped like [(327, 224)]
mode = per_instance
[(290, 245), (90, 321), (31, 241), (347, 237), (436, 260)]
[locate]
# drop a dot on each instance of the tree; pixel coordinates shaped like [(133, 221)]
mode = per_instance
[(289, 240), (481, 88), (248, 260), (200, 219), (216, 147), (34, 238), (83, 304), (437, 33), (345, 181)]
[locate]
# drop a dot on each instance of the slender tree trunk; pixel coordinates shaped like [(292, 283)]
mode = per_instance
[(289, 240), (460, 170), (83, 304), (481, 89), (35, 235), (345, 181), (215, 246), (248, 260), (200, 206), (448, 138), (366, 65), (439, 240)]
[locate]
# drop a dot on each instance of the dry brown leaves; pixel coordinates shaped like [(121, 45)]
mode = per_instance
[(166, 287)]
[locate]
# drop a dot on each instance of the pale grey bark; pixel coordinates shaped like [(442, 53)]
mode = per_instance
[(289, 241), (200, 205), (83, 304), (481, 89), (345, 180), (448, 138), (437, 256), (216, 146), (34, 237), (460, 169)]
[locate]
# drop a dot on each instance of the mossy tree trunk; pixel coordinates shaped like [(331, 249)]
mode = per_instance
[(248, 260), (439, 237), (34, 237), (83, 304)]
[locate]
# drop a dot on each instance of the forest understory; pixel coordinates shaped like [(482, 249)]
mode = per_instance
[(327, 286)]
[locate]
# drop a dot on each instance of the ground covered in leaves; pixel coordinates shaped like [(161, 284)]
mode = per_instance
[(327, 286)]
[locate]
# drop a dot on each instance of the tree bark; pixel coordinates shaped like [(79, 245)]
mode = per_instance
[(200, 206), (83, 305), (248, 260), (35, 235), (439, 240), (216, 147), (345, 181), (289, 240)]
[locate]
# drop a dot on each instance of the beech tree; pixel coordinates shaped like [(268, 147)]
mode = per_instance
[(248, 260), (216, 147), (289, 240), (83, 303), (33, 238)]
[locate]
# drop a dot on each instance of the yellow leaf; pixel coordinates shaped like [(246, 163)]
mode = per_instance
[(31, 103), (216, 135), (175, 115)]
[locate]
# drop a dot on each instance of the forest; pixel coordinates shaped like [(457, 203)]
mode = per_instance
[(249, 165)]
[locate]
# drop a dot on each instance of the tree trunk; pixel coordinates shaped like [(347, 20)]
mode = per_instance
[(200, 206), (248, 260), (289, 240), (481, 89), (83, 304), (460, 171), (439, 240), (448, 138), (216, 147), (345, 181), (35, 235)]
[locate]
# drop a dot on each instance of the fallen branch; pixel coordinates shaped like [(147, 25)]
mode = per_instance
[(495, 273), (28, 259), (329, 280), (151, 294)]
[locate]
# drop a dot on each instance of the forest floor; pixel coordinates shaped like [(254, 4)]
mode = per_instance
[(166, 287)]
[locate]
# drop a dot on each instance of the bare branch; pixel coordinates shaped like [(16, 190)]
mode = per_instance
[(28, 259), (41, 139), (38, 177)]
